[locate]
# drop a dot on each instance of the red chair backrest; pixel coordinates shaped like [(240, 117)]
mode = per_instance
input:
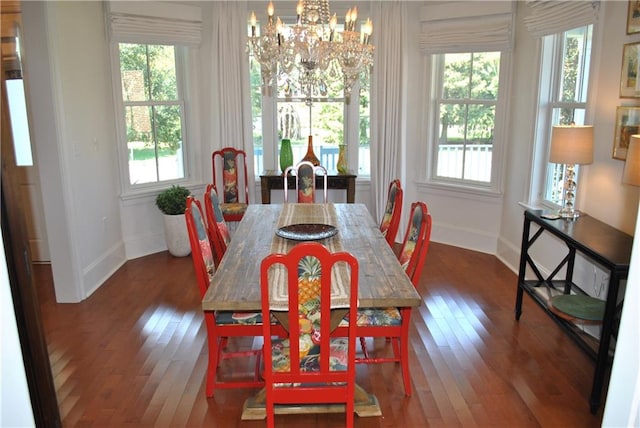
[(301, 305), (216, 225), (201, 254), (415, 246), (225, 165), (392, 212)]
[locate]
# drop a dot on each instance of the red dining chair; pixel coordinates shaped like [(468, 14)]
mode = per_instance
[(216, 225), (220, 325), (305, 175), (392, 213), (229, 167), (309, 366), (393, 323)]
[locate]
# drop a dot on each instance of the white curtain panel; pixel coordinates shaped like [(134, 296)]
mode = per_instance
[(387, 134), (230, 70)]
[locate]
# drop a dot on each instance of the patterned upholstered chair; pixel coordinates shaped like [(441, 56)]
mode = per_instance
[(216, 225), (309, 366), (393, 323), (230, 177), (305, 174), (392, 213), (220, 325)]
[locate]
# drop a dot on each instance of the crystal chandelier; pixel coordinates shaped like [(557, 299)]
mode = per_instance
[(312, 47)]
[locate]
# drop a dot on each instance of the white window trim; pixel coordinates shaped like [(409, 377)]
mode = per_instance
[(186, 64), (500, 133), (542, 130)]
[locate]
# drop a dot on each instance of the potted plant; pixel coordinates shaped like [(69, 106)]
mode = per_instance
[(172, 203)]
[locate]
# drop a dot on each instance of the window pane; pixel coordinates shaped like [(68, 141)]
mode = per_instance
[(451, 141), (485, 76), (17, 104), (162, 72), (169, 142), (153, 113), (575, 67), (148, 72), (457, 68), (322, 120), (140, 145), (364, 146), (155, 154), (467, 114)]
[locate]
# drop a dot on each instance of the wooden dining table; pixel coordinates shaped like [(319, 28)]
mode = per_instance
[(236, 284)]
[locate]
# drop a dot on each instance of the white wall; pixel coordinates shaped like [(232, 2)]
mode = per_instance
[(71, 101), (15, 403)]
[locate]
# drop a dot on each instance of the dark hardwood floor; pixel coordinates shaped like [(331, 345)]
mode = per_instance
[(134, 354)]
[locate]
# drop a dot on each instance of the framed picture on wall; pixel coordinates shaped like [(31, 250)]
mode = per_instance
[(633, 17), (629, 82), (627, 124)]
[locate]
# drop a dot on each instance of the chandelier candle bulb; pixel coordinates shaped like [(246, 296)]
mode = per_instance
[(253, 22), (312, 51), (270, 11)]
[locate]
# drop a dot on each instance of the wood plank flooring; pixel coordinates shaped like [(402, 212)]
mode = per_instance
[(134, 354)]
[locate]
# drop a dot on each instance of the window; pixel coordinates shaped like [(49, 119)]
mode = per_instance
[(153, 111), (466, 102), (328, 118), (563, 96)]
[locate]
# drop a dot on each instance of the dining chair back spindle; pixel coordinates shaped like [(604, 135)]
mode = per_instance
[(230, 180), (216, 225), (305, 177), (392, 213), (309, 367), (393, 323), (220, 324)]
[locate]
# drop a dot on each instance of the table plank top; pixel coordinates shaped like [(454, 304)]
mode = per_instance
[(382, 281)]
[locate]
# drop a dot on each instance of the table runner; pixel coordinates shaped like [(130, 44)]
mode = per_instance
[(298, 214)]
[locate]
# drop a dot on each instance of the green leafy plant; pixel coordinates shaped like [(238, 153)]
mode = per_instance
[(173, 201)]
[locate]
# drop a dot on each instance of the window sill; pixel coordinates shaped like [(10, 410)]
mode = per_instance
[(460, 190)]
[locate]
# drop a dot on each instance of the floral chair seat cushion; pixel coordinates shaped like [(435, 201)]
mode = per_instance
[(246, 318), (309, 352), (376, 317), (233, 208)]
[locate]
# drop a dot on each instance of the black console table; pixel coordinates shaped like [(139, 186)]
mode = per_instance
[(597, 241), (345, 182)]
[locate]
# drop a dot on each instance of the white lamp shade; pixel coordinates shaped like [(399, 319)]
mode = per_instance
[(572, 144), (631, 174)]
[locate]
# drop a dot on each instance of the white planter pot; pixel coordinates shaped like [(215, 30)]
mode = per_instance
[(175, 233)]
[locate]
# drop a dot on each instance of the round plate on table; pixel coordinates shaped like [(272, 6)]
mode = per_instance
[(307, 231)]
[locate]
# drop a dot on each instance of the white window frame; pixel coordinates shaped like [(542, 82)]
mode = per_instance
[(551, 62), (494, 186), (351, 117), (185, 63)]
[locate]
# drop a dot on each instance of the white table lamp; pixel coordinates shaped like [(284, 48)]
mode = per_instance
[(571, 145)]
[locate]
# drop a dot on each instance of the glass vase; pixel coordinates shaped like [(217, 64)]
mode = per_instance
[(286, 154), (342, 160), (311, 156)]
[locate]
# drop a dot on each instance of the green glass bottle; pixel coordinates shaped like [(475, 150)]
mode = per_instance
[(342, 160), (286, 154)]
